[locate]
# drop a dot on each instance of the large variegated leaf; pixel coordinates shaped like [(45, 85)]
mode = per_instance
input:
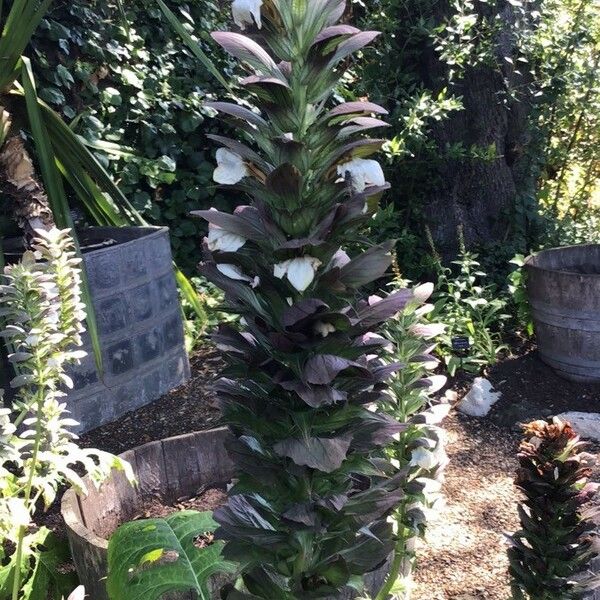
[(149, 558)]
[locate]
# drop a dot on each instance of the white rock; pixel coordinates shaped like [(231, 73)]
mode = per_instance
[(586, 424), (479, 400)]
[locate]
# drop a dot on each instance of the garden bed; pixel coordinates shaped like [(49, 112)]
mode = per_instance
[(465, 555)]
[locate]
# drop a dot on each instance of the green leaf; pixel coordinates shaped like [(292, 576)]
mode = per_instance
[(47, 577), (192, 44), (21, 22), (148, 558), (53, 184)]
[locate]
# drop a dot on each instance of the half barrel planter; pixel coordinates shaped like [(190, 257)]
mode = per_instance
[(563, 285), (166, 470), (138, 314)]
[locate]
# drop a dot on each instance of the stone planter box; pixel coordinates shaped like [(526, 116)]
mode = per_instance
[(168, 469), (138, 314)]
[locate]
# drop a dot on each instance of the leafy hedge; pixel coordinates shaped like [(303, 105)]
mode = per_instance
[(137, 86)]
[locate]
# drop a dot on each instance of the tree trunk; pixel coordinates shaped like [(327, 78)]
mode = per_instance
[(481, 195)]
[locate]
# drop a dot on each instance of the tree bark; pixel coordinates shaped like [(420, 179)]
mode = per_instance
[(476, 194)]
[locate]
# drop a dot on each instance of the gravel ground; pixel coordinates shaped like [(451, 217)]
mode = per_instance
[(464, 554)]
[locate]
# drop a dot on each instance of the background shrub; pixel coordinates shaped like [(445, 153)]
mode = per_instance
[(128, 80)]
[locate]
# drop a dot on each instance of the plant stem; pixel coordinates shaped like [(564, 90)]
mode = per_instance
[(29, 484), (398, 560)]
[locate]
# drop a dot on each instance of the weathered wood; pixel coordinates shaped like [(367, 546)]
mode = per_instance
[(168, 469)]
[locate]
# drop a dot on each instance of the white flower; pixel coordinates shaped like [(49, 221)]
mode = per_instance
[(77, 594), (324, 329), (246, 12), (424, 310), (300, 271), (235, 272), (423, 291), (430, 486), (427, 330), (421, 457), (435, 382), (220, 239), (230, 167), (363, 173)]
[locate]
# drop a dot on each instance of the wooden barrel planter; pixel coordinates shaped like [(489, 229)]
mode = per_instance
[(563, 285), (168, 469)]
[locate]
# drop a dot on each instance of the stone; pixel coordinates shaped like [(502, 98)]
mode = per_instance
[(480, 399), (586, 424)]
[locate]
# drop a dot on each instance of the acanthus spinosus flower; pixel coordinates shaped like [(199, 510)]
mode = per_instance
[(427, 330), (300, 271), (235, 272), (246, 12), (363, 173), (231, 167), (221, 239)]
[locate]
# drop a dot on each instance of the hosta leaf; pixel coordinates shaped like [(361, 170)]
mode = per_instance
[(323, 454), (149, 558)]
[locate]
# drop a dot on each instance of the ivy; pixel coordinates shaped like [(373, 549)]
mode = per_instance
[(139, 87)]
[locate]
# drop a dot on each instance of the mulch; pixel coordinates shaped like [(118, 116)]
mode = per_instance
[(190, 407), (464, 554)]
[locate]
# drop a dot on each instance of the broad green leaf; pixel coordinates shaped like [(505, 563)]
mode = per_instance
[(149, 558), (48, 577)]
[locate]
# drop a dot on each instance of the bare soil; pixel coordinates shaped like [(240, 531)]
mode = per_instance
[(209, 499)]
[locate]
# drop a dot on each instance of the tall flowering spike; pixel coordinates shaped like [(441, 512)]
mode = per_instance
[(549, 554), (308, 514)]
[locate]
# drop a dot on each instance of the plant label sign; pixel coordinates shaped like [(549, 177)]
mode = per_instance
[(460, 343)]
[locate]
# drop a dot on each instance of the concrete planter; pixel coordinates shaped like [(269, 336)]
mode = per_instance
[(563, 285), (137, 307)]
